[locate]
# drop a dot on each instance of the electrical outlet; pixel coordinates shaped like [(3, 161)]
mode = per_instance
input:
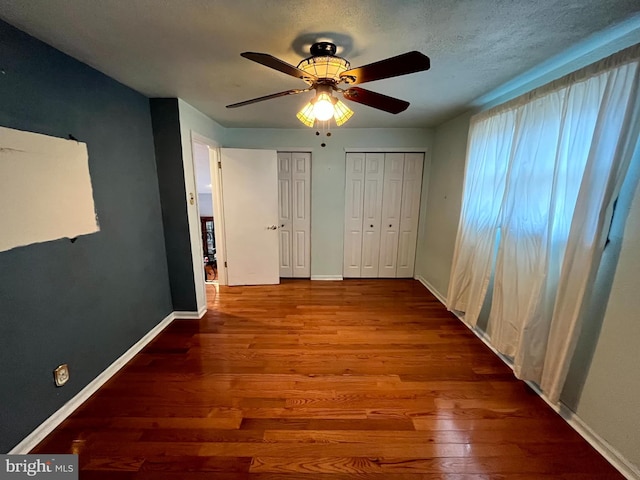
[(61, 375)]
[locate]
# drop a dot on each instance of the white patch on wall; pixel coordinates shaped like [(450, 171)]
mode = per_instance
[(45, 189)]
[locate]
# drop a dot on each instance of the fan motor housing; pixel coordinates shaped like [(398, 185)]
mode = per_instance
[(323, 65), (319, 49)]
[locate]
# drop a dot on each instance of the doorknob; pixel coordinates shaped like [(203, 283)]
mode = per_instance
[(390, 225), (282, 226), (370, 226), (272, 227)]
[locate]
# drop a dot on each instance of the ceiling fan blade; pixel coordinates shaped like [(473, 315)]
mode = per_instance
[(404, 64), (375, 100), (277, 64), (268, 97)]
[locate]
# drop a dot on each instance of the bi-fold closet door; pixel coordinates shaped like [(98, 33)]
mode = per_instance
[(294, 210), (382, 205)]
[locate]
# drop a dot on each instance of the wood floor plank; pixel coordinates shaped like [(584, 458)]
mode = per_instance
[(503, 464), (504, 436), (360, 379)]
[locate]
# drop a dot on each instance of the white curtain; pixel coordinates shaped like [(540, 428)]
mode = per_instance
[(543, 172)]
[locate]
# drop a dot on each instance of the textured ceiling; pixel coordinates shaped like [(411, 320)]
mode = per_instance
[(191, 48)]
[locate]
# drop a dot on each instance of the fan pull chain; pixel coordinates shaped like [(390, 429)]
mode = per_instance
[(325, 127)]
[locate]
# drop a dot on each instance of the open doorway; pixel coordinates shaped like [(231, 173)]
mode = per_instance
[(205, 193), (207, 230)]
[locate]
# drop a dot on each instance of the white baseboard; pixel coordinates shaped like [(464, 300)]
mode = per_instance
[(186, 315), (608, 451), (613, 456), (46, 427), (326, 277), (432, 289)]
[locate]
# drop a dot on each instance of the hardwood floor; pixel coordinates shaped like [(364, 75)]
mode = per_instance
[(321, 380)]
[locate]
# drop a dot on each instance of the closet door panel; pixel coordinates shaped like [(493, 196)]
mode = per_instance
[(301, 214), (372, 213), (285, 221), (354, 198), (411, 191), (382, 204), (391, 206)]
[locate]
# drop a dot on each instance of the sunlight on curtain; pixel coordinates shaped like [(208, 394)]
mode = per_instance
[(490, 147), (543, 171)]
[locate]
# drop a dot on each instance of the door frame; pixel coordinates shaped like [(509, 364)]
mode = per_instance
[(218, 211), (218, 204)]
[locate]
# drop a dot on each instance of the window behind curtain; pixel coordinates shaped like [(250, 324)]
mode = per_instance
[(543, 173)]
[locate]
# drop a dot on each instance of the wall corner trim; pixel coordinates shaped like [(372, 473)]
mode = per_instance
[(46, 427), (610, 453), (187, 315), (326, 277), (436, 293)]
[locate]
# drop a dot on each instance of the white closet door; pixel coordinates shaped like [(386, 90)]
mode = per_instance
[(285, 222), (301, 214), (372, 212), (354, 197), (382, 207), (411, 189), (390, 222)]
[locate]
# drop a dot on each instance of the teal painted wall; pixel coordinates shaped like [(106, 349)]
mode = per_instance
[(88, 302)]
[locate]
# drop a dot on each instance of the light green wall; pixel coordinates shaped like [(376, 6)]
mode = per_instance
[(609, 398), (196, 121), (435, 247), (327, 175)]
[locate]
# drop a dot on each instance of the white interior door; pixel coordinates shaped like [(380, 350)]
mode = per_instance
[(284, 213), (354, 195), (390, 222), (411, 190), (250, 198), (301, 214), (372, 212)]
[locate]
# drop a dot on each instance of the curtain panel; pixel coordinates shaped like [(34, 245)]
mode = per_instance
[(543, 172)]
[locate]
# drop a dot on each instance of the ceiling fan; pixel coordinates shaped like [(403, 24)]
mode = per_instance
[(323, 71)]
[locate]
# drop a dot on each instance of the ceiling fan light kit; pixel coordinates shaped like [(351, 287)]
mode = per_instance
[(324, 106), (323, 71), (323, 63)]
